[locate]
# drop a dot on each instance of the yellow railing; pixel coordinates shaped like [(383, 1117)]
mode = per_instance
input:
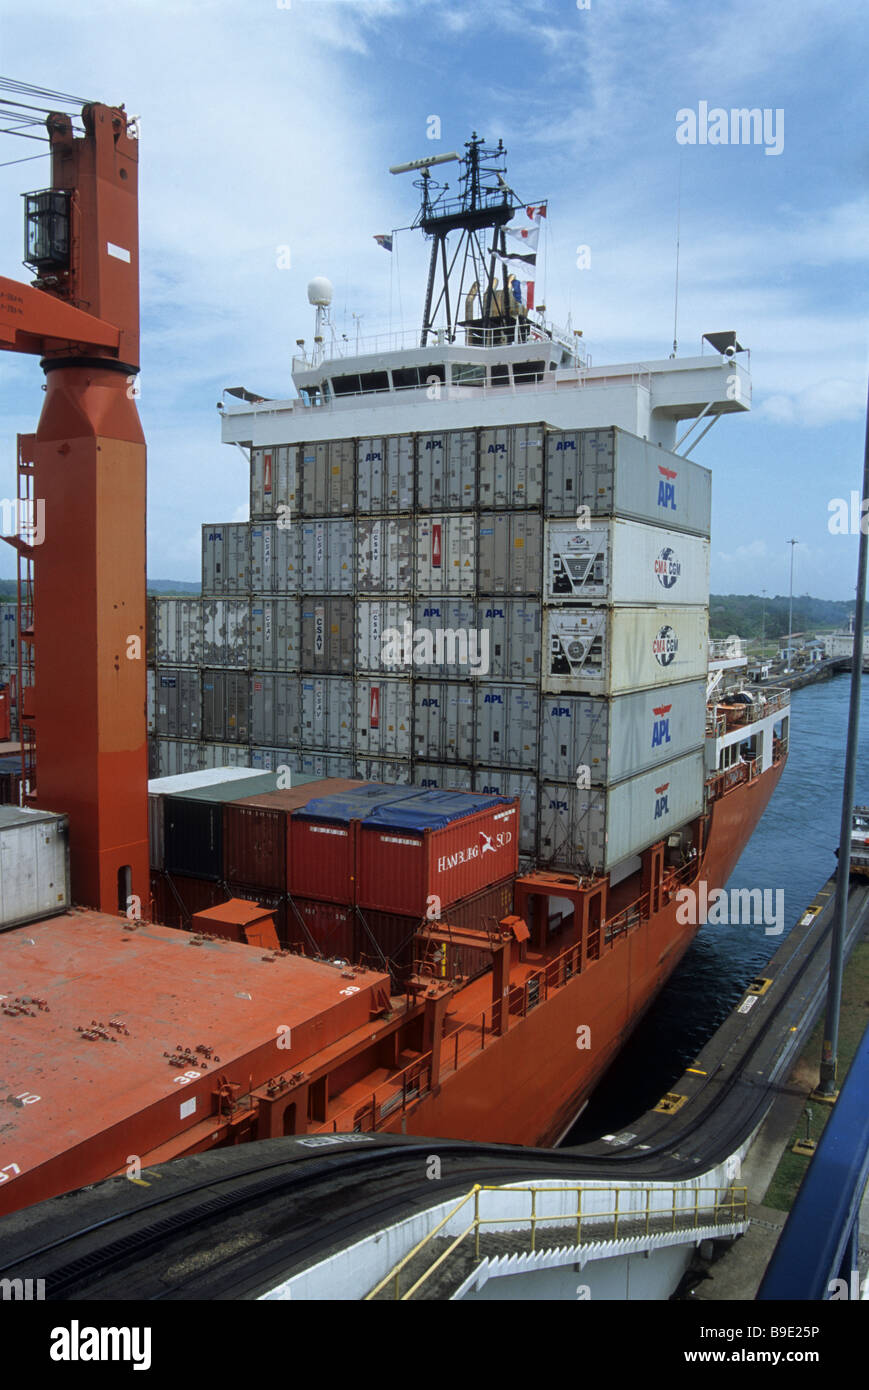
[(727, 1206)]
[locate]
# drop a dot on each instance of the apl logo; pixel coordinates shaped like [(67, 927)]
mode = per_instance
[(494, 612), (430, 704), (661, 726), (434, 443), (431, 612), (665, 646), (373, 458), (565, 444), (667, 488), (561, 712), (661, 807), (667, 567), (497, 449), (558, 805), (492, 700)]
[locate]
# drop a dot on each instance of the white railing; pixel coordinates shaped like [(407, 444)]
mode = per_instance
[(343, 345)]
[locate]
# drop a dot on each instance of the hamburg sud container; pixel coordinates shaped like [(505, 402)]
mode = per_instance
[(328, 484), (598, 827), (616, 474), (193, 824), (446, 470), (512, 466), (226, 558), (624, 562), (620, 737), (609, 651), (433, 848), (274, 481), (321, 928), (256, 830), (389, 936), (384, 474), (322, 858), (34, 864)]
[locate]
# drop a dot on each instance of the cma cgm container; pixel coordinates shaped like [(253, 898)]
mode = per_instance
[(435, 845), (613, 473), (512, 466), (620, 737), (193, 825), (256, 830), (274, 481), (624, 562), (446, 471), (598, 827), (226, 558), (609, 651), (34, 865), (384, 474), (322, 860)]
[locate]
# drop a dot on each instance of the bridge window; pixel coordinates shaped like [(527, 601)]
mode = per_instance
[(528, 371), (468, 374), (500, 374)]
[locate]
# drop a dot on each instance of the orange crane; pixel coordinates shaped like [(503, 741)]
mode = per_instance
[(81, 491)]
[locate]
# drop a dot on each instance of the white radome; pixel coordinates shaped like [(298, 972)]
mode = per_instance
[(320, 291)]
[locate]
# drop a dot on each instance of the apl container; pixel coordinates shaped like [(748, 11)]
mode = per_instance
[(624, 562), (446, 465), (327, 713), (434, 848), (328, 635), (613, 473), (620, 737), (446, 639), (609, 651), (177, 703), (274, 482), (385, 770), (275, 558), (328, 484), (510, 633), (384, 716), (511, 553), (327, 557), (506, 725), (256, 830), (450, 776), (176, 631), (384, 474), (446, 555), (325, 764), (226, 558), (34, 865), (226, 632), (193, 825), (512, 466), (323, 836), (443, 721), (384, 556), (596, 828), (384, 637), (274, 709), (226, 706), (494, 781), (161, 787), (275, 634)]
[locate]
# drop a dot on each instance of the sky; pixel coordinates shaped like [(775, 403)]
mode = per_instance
[(272, 125)]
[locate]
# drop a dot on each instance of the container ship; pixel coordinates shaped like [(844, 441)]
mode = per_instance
[(440, 759)]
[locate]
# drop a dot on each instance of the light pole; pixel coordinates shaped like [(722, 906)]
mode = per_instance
[(763, 624), (791, 543)]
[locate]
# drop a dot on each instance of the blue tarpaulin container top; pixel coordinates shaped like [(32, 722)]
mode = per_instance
[(432, 810), (343, 807)]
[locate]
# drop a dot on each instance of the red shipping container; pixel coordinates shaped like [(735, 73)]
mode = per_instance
[(407, 872), (322, 860), (177, 897), (256, 831), (328, 928)]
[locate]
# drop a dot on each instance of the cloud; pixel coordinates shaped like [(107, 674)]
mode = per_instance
[(823, 403)]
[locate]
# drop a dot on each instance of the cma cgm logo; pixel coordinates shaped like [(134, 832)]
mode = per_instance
[(661, 807), (661, 726), (667, 568), (373, 458), (494, 612), (667, 488), (492, 700), (665, 646), (565, 444), (497, 449)]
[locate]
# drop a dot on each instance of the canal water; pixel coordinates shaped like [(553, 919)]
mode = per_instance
[(792, 849)]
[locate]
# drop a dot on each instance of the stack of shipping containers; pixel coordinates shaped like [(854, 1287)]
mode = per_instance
[(490, 610)]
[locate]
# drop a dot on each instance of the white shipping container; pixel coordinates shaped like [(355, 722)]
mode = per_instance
[(274, 482), (275, 634), (598, 827), (446, 465), (8, 634), (177, 703), (506, 725), (226, 633), (495, 781), (446, 641), (226, 558), (323, 764), (384, 636), (384, 716), (384, 474), (169, 757), (443, 721), (620, 737), (177, 631), (224, 755), (377, 770), (510, 553), (624, 562), (34, 865), (151, 705), (446, 555), (327, 713), (610, 651), (328, 635), (328, 483), (327, 557), (442, 775), (225, 707), (275, 558), (384, 556), (511, 631), (613, 473), (274, 709), (512, 462)]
